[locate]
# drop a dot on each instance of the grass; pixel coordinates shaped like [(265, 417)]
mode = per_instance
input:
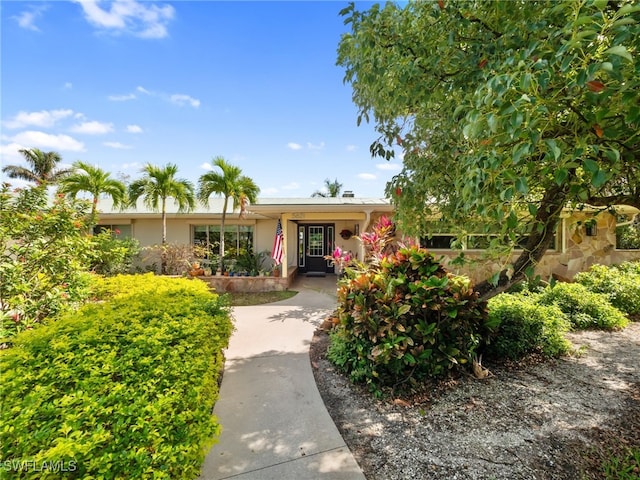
[(239, 299)]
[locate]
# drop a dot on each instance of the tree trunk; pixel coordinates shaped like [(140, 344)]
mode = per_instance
[(163, 256), (540, 237), (224, 216)]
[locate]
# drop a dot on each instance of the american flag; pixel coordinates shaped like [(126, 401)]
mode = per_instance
[(277, 244)]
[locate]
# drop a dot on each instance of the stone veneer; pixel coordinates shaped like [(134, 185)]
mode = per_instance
[(579, 254)]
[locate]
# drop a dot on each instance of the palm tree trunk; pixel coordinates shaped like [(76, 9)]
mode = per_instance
[(224, 216), (163, 259)]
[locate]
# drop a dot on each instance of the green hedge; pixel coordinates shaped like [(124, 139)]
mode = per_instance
[(584, 308), (121, 389), (523, 326), (620, 282)]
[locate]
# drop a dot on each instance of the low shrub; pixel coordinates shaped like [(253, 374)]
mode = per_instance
[(121, 389), (523, 326), (110, 255), (585, 309), (620, 282), (405, 320)]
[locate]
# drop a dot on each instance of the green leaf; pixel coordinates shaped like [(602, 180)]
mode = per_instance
[(521, 185), (599, 178), (591, 165), (621, 51), (561, 175)]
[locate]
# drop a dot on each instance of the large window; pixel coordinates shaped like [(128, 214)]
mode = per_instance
[(237, 238), (473, 241)]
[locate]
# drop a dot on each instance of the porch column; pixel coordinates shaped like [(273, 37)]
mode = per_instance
[(285, 235)]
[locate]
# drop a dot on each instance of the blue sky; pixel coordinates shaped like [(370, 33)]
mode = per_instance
[(120, 84)]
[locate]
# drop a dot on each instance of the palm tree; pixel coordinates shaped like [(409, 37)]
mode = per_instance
[(94, 180), (230, 184), (333, 189), (43, 167), (156, 186)]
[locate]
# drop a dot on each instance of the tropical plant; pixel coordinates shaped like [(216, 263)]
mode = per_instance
[(331, 189), (157, 185), (506, 112), (401, 316), (44, 257), (95, 181), (43, 167), (230, 183)]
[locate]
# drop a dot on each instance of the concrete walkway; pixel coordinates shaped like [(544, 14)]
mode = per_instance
[(274, 422)]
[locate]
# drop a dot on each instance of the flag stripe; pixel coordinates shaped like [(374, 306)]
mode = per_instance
[(277, 252)]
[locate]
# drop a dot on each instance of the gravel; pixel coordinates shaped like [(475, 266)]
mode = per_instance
[(535, 419)]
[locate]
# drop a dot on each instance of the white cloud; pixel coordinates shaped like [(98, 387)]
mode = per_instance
[(28, 18), (68, 85), (122, 98), (294, 146), (43, 118), (11, 152), (388, 166), (117, 145), (206, 166), (291, 186), (182, 100), (142, 19), (366, 176), (129, 166), (143, 90), (45, 140), (311, 146), (269, 191), (134, 129), (351, 148), (93, 128)]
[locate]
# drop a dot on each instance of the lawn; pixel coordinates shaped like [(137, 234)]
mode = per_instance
[(239, 299)]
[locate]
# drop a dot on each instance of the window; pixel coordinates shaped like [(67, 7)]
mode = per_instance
[(237, 238), (445, 241), (118, 231), (316, 241)]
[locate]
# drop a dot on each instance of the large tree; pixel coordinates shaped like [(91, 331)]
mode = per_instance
[(507, 112), (156, 186), (331, 189), (43, 167), (229, 183), (95, 181)]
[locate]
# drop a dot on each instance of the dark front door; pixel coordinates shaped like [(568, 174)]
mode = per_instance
[(314, 242)]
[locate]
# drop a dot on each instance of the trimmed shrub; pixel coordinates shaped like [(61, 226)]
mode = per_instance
[(121, 389), (585, 309), (523, 326), (620, 282), (405, 320)]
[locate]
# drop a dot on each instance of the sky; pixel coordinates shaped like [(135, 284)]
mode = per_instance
[(125, 83)]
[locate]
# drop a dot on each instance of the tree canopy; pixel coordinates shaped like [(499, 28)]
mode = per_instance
[(229, 183), (331, 189), (43, 167), (159, 184), (506, 112), (95, 181)]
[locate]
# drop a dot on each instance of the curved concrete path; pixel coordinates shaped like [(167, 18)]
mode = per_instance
[(274, 422)]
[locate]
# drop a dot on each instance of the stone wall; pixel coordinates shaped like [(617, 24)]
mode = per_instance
[(580, 251)]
